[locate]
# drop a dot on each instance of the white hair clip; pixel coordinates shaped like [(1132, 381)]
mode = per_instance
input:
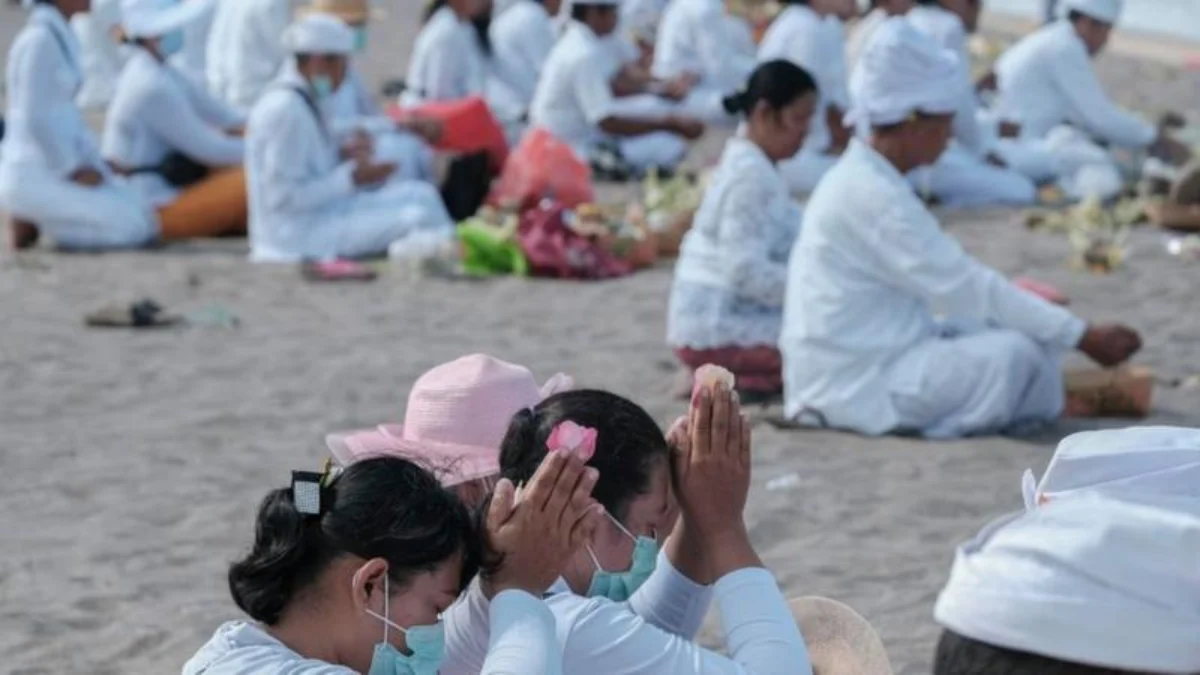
[(306, 492)]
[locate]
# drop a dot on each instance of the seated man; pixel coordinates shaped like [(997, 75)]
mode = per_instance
[(862, 346), (1098, 579), (308, 201), (971, 172), (244, 49), (700, 38), (1047, 85), (592, 100), (522, 39), (356, 117)]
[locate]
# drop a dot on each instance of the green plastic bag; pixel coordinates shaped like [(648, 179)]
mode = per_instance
[(490, 251)]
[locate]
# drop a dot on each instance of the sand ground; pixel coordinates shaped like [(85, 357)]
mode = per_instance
[(132, 463)]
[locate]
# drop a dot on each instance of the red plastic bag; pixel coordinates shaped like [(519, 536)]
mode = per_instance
[(468, 126), (543, 167), (556, 251)]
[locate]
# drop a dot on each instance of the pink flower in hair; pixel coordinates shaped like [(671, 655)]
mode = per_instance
[(570, 437)]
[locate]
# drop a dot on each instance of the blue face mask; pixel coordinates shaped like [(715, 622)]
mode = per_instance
[(323, 86), (619, 586), (360, 39), (427, 644), (171, 43)]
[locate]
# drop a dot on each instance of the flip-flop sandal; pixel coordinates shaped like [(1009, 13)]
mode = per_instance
[(143, 314), (337, 270)]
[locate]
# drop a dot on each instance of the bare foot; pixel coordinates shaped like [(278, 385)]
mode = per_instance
[(22, 234)]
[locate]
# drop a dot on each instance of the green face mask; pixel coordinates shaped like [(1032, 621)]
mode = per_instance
[(323, 86), (619, 586)]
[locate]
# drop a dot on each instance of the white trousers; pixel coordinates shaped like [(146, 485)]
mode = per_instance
[(413, 158), (979, 382), (112, 215), (659, 149), (1085, 168), (378, 218), (960, 179)]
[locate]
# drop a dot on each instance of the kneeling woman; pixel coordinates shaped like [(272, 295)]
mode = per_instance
[(726, 305), (380, 550), (621, 606), (52, 177), (180, 146)]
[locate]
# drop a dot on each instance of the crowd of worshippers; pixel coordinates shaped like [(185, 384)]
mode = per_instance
[(504, 527), (233, 116)]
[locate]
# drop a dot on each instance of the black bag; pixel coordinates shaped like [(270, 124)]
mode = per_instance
[(467, 184), (177, 169)]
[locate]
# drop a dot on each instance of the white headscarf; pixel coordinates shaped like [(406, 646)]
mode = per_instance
[(901, 72), (1107, 11), (319, 34), (156, 18), (1139, 461), (1094, 580)]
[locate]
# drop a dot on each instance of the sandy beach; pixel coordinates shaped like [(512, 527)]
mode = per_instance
[(133, 462)]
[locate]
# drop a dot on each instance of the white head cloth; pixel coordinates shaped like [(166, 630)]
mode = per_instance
[(1139, 461), (319, 34), (156, 18), (1107, 11), (901, 71), (1094, 580)]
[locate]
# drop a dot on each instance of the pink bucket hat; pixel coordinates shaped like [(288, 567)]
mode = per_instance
[(456, 418)]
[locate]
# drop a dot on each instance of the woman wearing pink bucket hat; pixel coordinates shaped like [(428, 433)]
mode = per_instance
[(456, 417)]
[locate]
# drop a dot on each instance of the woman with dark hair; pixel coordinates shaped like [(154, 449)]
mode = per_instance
[(381, 549), (727, 299), (623, 607), (448, 60)]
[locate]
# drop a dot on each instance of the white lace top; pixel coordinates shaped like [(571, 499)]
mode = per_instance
[(732, 269)]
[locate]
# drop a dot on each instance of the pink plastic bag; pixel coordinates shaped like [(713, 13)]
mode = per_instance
[(543, 167), (556, 251)]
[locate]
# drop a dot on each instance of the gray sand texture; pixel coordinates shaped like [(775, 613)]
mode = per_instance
[(133, 462)]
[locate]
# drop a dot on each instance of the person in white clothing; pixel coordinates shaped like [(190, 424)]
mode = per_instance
[(697, 39), (53, 179), (356, 117), (726, 302), (522, 39), (101, 54), (245, 49), (1046, 84), (803, 35), (309, 199), (622, 607), (447, 60), (862, 346), (159, 116), (593, 100), (351, 569), (1102, 582), (973, 171)]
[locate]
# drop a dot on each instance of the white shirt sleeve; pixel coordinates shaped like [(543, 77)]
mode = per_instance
[(745, 237), (211, 109), (671, 601), (524, 639), (1091, 108), (176, 121), (468, 626), (914, 254), (284, 176), (761, 634), (446, 73), (259, 69)]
